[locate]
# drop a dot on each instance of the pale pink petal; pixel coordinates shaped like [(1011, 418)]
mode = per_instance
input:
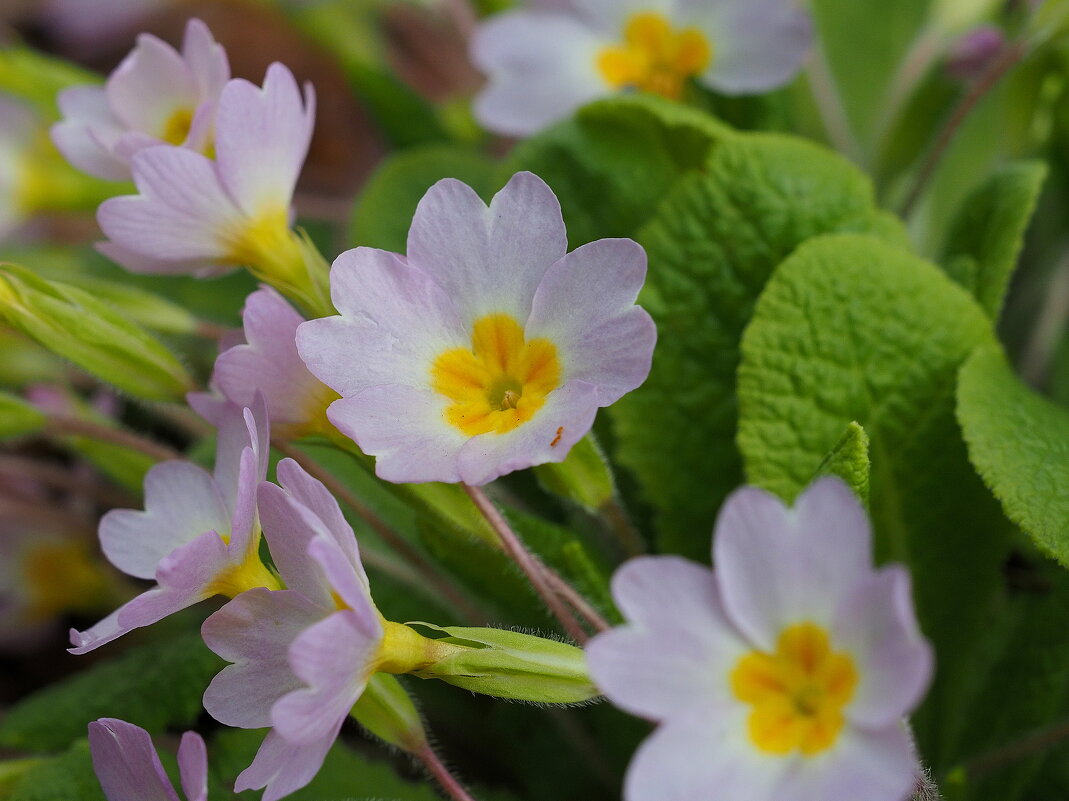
[(150, 85), (875, 624), (488, 260), (310, 493), (126, 763), (333, 657), (139, 263), (565, 419), (193, 766), (87, 130), (205, 59), (706, 754), (395, 321), (585, 305), (238, 429), (269, 363), (181, 503), (780, 566), (262, 138), (183, 212), (283, 767), (255, 631), (541, 67), (677, 629), (289, 528), (405, 429), (877, 765), (757, 45), (349, 585)]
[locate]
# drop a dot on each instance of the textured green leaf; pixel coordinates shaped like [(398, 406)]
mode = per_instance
[(986, 236), (384, 211), (611, 164), (850, 329), (154, 686), (849, 460), (712, 245), (1019, 442)]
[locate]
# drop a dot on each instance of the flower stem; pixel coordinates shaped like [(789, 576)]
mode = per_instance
[(442, 774), (574, 599), (1009, 57), (416, 560), (535, 571), (1032, 743), (63, 425)]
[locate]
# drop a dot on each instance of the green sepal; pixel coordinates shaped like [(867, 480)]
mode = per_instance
[(17, 417), (584, 477), (73, 324), (510, 664), (386, 710)]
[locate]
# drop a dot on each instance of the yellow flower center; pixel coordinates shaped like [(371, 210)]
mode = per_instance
[(655, 57), (61, 577), (176, 129), (501, 382), (797, 693)]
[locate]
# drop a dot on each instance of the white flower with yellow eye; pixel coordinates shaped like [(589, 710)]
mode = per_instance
[(544, 62)]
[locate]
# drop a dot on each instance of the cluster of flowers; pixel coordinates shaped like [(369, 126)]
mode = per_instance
[(486, 348)]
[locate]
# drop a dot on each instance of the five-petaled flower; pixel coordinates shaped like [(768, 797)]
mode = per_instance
[(156, 96), (785, 675), (489, 348), (543, 63), (199, 534)]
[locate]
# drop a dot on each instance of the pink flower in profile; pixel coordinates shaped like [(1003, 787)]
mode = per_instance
[(544, 62), (199, 215), (155, 96), (267, 362), (302, 656), (129, 769), (489, 348), (783, 677), (199, 535)]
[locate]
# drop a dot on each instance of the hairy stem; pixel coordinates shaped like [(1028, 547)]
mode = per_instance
[(535, 571), (442, 774)]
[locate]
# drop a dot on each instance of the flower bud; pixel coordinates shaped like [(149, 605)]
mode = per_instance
[(75, 325)]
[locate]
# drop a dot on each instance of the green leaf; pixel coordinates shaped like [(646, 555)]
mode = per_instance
[(68, 777), (849, 460), (611, 164), (1034, 661), (985, 238), (712, 245), (384, 211), (345, 774), (850, 329), (154, 686), (1019, 442), (17, 417)]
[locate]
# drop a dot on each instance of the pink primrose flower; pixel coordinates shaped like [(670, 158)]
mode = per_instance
[(301, 656), (197, 537), (155, 96), (489, 348), (546, 61), (784, 676), (194, 214)]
